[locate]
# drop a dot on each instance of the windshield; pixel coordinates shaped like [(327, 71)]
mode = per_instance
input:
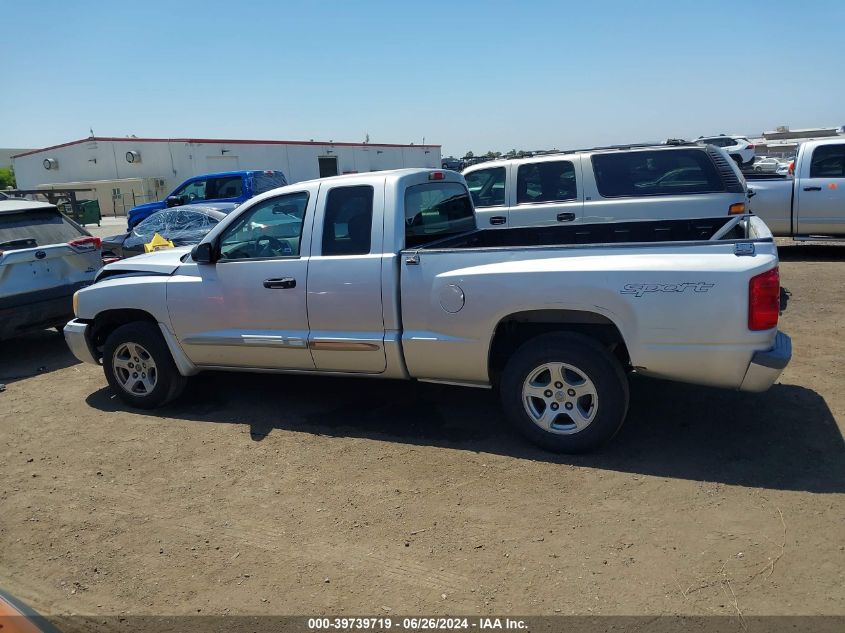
[(266, 180), (181, 226)]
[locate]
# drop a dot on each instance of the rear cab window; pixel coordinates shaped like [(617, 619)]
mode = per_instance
[(264, 181), (487, 187), (655, 173), (348, 224), (437, 210), (29, 229), (828, 161)]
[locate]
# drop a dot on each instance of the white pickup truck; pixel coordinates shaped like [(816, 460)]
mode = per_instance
[(384, 275), (809, 205)]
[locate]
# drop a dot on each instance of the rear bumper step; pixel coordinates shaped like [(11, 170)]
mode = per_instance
[(767, 366)]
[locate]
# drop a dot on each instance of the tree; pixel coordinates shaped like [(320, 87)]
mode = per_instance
[(7, 177), (469, 155)]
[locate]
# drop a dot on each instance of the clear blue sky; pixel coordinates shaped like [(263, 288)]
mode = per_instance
[(467, 75)]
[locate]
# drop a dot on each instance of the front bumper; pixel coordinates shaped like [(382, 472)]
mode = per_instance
[(77, 340), (766, 366)]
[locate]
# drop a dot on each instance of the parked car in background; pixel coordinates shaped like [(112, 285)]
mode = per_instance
[(739, 148), (455, 164), (384, 275), (183, 225), (230, 186), (683, 180), (44, 258), (767, 165), (809, 204)]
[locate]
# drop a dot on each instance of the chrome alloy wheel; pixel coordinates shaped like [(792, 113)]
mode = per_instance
[(135, 369), (560, 398)]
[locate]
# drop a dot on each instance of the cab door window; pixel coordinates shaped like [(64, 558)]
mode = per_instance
[(224, 187), (828, 161), (552, 181), (194, 190), (487, 187), (348, 225), (272, 228)]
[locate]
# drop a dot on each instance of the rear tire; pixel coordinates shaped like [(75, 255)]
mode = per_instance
[(139, 367), (565, 392)]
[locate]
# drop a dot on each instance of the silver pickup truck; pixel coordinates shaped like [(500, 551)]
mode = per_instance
[(384, 275), (809, 204)]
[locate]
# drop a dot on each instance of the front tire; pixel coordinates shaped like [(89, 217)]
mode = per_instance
[(565, 392), (139, 367)]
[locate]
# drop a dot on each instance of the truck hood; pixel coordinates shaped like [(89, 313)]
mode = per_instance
[(163, 262)]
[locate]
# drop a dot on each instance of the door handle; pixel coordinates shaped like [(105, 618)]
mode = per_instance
[(812, 188), (283, 283), (498, 219), (565, 217)]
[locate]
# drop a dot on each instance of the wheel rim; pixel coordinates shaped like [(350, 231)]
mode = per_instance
[(560, 398), (134, 369)]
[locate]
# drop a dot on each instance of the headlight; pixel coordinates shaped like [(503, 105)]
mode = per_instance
[(75, 303)]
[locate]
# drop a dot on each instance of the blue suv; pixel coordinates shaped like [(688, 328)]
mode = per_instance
[(229, 186)]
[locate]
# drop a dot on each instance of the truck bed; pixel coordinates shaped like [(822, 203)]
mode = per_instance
[(675, 290), (646, 231)]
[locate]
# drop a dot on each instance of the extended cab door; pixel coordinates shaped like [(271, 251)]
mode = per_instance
[(344, 278), (820, 191), (491, 195), (248, 309), (548, 192)]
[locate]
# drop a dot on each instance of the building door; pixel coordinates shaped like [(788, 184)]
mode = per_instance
[(328, 166)]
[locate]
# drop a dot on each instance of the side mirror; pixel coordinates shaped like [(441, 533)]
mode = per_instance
[(203, 253), (173, 201)]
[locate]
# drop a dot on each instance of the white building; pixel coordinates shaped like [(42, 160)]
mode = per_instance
[(129, 171)]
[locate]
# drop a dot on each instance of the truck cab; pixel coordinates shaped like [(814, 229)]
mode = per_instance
[(810, 204), (230, 186)]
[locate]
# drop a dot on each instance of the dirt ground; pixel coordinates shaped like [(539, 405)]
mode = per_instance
[(290, 495)]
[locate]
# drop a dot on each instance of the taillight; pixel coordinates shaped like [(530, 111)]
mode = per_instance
[(750, 146), (764, 300), (437, 175), (737, 208), (86, 243)]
